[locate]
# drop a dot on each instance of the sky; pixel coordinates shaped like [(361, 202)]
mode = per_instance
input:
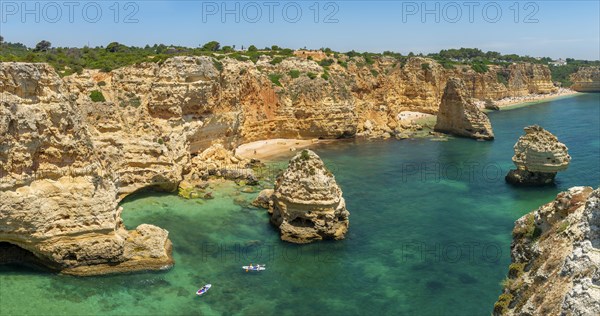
[(556, 29)]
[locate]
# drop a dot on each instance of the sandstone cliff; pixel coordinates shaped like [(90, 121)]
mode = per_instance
[(307, 204), (556, 258), (59, 199), (458, 114), (68, 158), (586, 79), (538, 157)]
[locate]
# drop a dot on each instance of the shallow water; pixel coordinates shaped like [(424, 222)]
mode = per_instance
[(430, 231)]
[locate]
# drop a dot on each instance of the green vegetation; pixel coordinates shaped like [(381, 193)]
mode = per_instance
[(563, 226), (529, 230), (502, 77), (326, 62), (311, 75), (218, 65), (325, 75), (374, 73), (480, 67), (97, 96), (275, 79), (502, 304), (276, 60), (304, 155), (294, 73), (69, 60), (425, 66), (515, 270)]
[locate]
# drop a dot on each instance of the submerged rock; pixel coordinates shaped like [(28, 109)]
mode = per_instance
[(263, 199), (307, 204), (458, 114), (538, 157)]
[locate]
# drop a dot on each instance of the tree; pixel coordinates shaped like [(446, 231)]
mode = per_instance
[(42, 46), (113, 47), (252, 48), (274, 47), (212, 46), (1, 39), (227, 49)]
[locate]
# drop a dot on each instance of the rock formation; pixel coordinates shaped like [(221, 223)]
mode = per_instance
[(307, 204), (556, 258), (538, 157), (586, 79), (458, 114), (58, 200), (66, 159)]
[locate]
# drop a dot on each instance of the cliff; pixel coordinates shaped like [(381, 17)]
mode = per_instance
[(555, 258), (307, 204), (458, 114), (68, 156), (586, 79), (59, 200)]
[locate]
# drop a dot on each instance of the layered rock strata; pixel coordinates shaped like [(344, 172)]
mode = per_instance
[(458, 114), (307, 204), (556, 258), (67, 157), (538, 157), (58, 198), (586, 79)]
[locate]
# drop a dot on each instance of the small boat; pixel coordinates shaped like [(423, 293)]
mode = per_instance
[(258, 267), (203, 289)]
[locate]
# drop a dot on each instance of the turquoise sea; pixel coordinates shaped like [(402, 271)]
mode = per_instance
[(430, 232)]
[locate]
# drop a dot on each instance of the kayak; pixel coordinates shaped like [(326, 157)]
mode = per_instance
[(254, 268), (203, 290)]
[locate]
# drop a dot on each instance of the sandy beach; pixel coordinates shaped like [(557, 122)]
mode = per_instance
[(270, 148), (533, 98)]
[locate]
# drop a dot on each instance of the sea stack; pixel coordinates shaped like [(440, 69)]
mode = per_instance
[(307, 204), (458, 114), (538, 157)]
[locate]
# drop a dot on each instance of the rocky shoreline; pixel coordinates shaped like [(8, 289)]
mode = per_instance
[(69, 156), (555, 256)]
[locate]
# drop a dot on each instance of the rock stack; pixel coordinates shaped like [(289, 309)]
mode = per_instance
[(458, 114), (538, 157), (307, 204)]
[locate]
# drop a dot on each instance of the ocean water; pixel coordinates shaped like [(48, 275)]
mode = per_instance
[(430, 232)]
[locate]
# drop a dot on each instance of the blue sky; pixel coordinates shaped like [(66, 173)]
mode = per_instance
[(540, 28)]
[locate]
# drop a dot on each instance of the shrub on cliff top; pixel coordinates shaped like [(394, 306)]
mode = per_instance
[(97, 96), (480, 67), (425, 66), (294, 73), (275, 79), (304, 155)]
